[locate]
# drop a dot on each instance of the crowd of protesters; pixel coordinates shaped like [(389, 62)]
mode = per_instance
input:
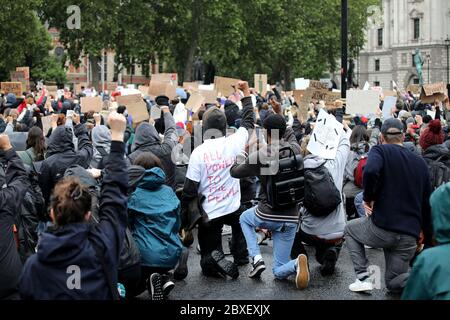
[(100, 207)]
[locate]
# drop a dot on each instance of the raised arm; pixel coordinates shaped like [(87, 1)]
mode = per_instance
[(248, 115), (16, 176), (113, 201), (85, 149), (170, 134)]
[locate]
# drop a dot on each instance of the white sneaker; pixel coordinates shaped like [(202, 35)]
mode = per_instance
[(361, 286)]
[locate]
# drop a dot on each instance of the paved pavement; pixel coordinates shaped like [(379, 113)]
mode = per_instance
[(198, 287)]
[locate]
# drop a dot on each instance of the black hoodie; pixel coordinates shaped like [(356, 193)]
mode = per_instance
[(61, 155), (10, 199)]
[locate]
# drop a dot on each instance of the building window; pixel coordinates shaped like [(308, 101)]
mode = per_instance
[(416, 28), (380, 37), (377, 65), (376, 84), (131, 70), (416, 81), (404, 59)]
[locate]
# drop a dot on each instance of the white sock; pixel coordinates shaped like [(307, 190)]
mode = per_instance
[(257, 258)]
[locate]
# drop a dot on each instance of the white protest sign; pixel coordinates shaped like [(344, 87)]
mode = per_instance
[(325, 137), (389, 103), (206, 87), (301, 84), (432, 114), (362, 102), (366, 86)]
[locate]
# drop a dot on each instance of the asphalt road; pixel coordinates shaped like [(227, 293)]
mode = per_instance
[(198, 287)]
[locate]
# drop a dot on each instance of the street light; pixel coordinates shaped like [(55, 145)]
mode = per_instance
[(447, 43), (428, 59)]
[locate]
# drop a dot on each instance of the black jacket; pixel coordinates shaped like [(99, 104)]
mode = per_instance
[(46, 274), (10, 199), (398, 181), (147, 139), (61, 155), (438, 152), (251, 166)]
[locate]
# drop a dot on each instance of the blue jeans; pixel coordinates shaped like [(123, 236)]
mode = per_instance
[(359, 205), (283, 234)]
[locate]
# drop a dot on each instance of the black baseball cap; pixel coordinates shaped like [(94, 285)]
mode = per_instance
[(392, 126)]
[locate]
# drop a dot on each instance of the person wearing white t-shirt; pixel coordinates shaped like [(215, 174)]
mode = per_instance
[(211, 197)]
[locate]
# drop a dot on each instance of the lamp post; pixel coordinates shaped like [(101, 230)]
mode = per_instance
[(428, 59), (344, 47), (447, 43)]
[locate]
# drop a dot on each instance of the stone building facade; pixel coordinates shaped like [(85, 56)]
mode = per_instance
[(402, 27)]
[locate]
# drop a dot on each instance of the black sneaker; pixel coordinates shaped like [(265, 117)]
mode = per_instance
[(154, 286), (258, 268), (329, 263), (167, 285), (181, 271), (223, 265)]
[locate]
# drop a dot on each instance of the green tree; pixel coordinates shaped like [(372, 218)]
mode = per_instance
[(26, 42)]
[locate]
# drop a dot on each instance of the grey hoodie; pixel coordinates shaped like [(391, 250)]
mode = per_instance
[(101, 138), (147, 140), (335, 222)]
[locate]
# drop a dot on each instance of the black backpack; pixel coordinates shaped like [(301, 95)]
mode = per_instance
[(321, 195), (287, 188), (439, 172), (31, 211)]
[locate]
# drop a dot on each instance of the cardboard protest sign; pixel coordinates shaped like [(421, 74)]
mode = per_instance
[(388, 104), (206, 87), (136, 107), (20, 76), (158, 88), (190, 85), (317, 95), (432, 92), (225, 85), (46, 124), (298, 94), (261, 83), (143, 90), (12, 87), (171, 91), (362, 102), (195, 102), (301, 84), (91, 104), (325, 137), (318, 85), (171, 78), (210, 96), (413, 88), (26, 71), (302, 107)]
